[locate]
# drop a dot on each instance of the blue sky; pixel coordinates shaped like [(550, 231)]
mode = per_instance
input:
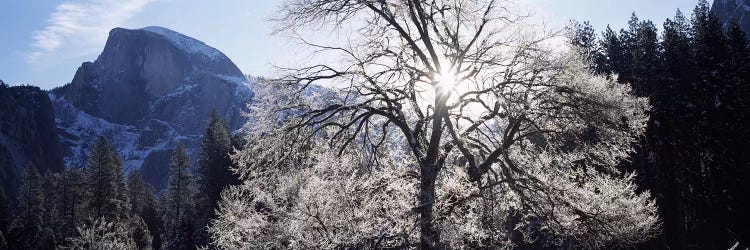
[(42, 42)]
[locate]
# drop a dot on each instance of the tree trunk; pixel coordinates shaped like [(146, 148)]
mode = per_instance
[(429, 168), (430, 237)]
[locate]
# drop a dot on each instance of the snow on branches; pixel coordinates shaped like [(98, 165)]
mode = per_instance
[(448, 124)]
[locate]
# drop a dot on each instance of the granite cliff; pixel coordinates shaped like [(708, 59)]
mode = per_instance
[(27, 134)]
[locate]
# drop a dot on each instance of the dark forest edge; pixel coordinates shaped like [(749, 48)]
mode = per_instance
[(693, 157)]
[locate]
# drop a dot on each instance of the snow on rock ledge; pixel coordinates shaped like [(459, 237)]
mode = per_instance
[(186, 43)]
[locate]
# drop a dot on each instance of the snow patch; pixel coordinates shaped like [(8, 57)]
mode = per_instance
[(80, 130), (186, 43), (243, 88)]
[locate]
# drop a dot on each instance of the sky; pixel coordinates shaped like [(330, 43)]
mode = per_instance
[(43, 42)]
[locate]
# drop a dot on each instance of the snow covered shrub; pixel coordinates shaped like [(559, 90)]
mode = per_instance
[(103, 235)]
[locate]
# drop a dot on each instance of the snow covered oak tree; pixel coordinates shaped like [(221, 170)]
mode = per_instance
[(448, 124)]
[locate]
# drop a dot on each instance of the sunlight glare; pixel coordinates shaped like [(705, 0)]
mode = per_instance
[(447, 79)]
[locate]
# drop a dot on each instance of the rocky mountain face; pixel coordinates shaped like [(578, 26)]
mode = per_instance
[(149, 90), (727, 10), (27, 134)]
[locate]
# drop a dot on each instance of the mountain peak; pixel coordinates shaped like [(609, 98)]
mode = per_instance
[(139, 68), (149, 89)]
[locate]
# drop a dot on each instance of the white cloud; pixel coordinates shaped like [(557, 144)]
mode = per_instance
[(81, 28)]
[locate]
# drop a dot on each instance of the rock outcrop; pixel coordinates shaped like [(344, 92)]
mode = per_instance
[(738, 10)]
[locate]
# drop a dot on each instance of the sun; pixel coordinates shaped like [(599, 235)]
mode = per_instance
[(445, 84), (447, 79), (449, 84)]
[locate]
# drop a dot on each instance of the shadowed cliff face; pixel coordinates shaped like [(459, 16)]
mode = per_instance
[(138, 69), (727, 10), (27, 134), (148, 90)]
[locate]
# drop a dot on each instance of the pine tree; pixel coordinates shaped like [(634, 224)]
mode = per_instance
[(613, 52), (738, 95), (646, 64), (138, 193), (739, 72), (676, 62), (30, 196), (628, 39), (669, 126), (214, 173), (710, 53), (106, 183), (139, 232), (177, 203), (27, 222), (52, 221), (645, 79), (584, 38), (143, 205), (73, 200)]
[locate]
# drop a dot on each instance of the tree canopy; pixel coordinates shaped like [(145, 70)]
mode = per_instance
[(488, 116)]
